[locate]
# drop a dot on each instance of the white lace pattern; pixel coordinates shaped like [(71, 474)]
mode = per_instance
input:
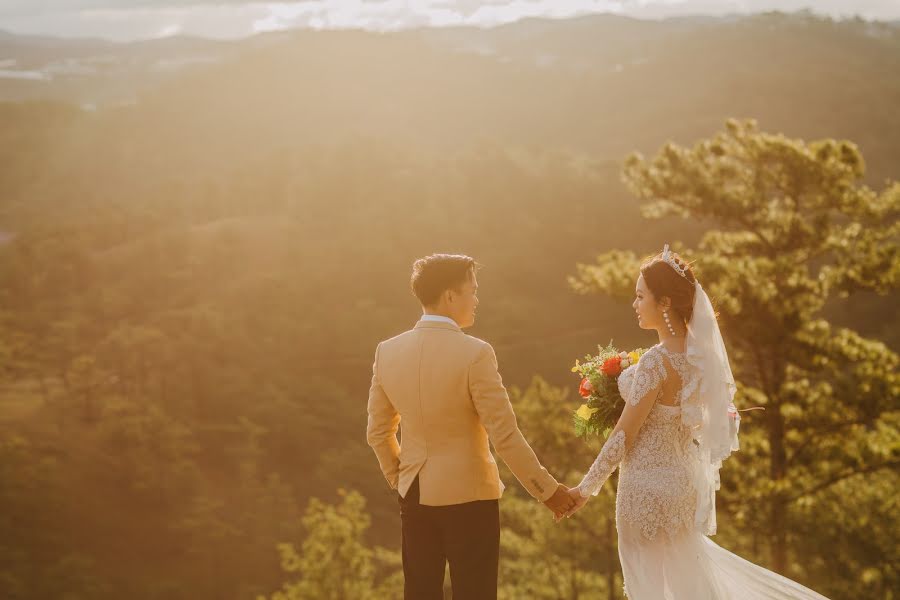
[(635, 381), (664, 554), (606, 462)]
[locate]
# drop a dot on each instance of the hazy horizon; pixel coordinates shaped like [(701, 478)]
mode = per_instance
[(126, 20)]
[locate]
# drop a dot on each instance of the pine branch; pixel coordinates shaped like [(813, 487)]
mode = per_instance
[(818, 433), (846, 475)]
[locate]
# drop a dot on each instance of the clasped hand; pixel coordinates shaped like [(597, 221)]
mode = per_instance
[(565, 502)]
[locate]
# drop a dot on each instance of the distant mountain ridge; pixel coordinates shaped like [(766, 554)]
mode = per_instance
[(600, 83)]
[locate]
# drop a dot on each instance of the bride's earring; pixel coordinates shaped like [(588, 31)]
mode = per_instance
[(668, 323)]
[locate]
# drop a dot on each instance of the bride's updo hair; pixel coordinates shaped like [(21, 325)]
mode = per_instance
[(663, 280)]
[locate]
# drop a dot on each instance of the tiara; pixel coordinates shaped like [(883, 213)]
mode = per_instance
[(667, 257)]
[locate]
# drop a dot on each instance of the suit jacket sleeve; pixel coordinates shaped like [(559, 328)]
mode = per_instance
[(381, 432), (496, 413)]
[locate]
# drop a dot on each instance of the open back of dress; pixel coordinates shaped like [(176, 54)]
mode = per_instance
[(664, 555)]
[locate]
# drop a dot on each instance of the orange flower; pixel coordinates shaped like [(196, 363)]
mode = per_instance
[(585, 388), (612, 366)]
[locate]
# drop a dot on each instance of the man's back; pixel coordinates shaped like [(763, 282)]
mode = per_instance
[(443, 385)]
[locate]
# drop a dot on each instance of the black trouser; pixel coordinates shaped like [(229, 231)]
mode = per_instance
[(467, 535)]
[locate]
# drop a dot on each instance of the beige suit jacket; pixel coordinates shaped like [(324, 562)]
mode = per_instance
[(444, 388)]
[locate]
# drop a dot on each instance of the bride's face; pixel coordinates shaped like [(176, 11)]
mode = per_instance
[(649, 313)]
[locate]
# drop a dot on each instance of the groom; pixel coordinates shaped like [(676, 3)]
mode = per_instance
[(444, 387)]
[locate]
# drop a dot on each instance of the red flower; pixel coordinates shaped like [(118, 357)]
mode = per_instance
[(612, 366), (585, 388)]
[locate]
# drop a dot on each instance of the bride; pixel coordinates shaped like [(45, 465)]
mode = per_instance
[(677, 427)]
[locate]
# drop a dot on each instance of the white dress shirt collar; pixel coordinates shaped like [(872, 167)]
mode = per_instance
[(439, 318)]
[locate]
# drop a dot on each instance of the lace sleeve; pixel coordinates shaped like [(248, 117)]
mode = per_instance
[(648, 374), (639, 390), (606, 462)]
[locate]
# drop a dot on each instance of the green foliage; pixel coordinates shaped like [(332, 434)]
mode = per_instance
[(333, 562), (35, 558), (578, 557)]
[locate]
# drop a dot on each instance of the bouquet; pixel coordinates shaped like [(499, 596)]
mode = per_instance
[(603, 404)]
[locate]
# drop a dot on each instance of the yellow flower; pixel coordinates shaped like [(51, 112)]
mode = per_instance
[(576, 367), (634, 356), (585, 412)]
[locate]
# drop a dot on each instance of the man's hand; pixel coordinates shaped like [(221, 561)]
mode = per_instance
[(561, 501)]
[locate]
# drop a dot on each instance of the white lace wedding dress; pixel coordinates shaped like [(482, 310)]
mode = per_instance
[(664, 555)]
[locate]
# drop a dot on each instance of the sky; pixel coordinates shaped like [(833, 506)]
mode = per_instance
[(124, 20)]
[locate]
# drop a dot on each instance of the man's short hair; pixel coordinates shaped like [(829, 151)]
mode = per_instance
[(436, 273)]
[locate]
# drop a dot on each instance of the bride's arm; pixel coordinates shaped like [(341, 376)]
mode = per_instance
[(639, 399)]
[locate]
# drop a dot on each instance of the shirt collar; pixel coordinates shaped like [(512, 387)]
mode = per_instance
[(439, 318)]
